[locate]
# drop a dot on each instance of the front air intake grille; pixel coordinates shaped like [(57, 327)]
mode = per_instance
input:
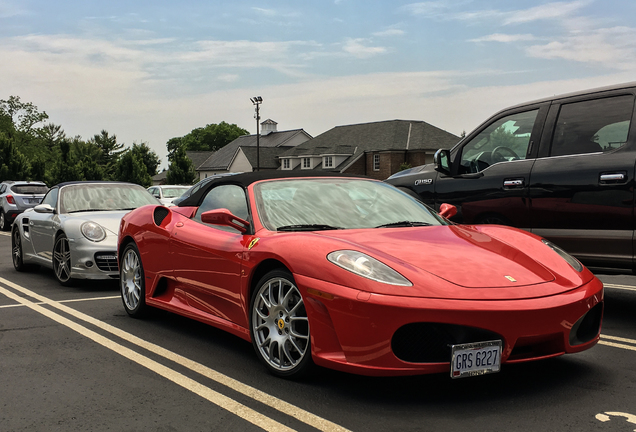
[(431, 342), (160, 214), (106, 261), (588, 326)]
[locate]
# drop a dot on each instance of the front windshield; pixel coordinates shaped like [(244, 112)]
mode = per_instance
[(103, 197), (174, 192), (335, 203)]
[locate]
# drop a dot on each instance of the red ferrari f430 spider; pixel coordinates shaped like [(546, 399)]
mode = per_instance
[(352, 274)]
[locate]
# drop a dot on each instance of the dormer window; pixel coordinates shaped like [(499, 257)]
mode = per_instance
[(306, 163), (327, 162), (286, 164)]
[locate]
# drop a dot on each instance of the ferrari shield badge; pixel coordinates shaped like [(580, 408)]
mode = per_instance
[(253, 243), (511, 279)]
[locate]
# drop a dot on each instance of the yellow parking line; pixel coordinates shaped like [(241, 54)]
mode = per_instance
[(622, 287), (258, 395), (619, 339), (64, 301)]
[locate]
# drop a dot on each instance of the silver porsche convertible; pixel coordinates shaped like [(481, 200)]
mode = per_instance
[(74, 230)]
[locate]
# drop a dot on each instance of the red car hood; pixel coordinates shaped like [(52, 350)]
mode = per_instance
[(462, 255)]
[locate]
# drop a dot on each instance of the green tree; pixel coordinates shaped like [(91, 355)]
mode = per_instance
[(110, 152), (181, 169), (137, 165), (66, 168), (24, 115), (13, 164), (209, 138)]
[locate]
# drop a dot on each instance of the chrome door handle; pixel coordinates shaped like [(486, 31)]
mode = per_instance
[(612, 177), (513, 183)]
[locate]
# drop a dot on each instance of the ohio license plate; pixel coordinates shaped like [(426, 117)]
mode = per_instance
[(476, 358)]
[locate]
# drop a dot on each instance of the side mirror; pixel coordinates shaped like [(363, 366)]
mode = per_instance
[(447, 210), (442, 161), (43, 208), (225, 217)]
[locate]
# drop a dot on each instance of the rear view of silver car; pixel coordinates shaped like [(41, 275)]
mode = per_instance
[(16, 197)]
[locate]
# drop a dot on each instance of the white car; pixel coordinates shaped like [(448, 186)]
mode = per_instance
[(167, 193), (74, 231)]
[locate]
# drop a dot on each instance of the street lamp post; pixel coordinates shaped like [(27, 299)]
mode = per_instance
[(257, 100)]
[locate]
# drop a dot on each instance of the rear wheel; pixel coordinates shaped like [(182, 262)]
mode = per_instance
[(16, 250), (62, 260), (4, 223), (279, 325), (132, 282)]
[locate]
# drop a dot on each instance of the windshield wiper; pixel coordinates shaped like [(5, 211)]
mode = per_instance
[(307, 227), (87, 210), (403, 224)]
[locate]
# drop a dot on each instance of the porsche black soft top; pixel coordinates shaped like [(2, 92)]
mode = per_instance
[(246, 179)]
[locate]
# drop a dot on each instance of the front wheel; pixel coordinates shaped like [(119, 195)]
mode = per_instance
[(132, 282), (62, 260), (279, 325)]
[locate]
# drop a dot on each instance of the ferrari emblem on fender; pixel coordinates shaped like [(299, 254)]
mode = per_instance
[(253, 243), (510, 278), (281, 324)]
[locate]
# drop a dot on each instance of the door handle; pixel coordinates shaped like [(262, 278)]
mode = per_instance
[(612, 177), (513, 183)]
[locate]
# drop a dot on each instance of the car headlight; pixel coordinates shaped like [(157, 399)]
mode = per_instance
[(574, 263), (368, 267), (93, 232)]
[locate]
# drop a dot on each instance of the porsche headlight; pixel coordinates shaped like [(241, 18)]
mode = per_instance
[(368, 267), (93, 232), (574, 263)]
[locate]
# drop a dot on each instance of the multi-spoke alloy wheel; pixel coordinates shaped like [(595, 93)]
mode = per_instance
[(131, 281), (279, 325), (16, 250), (4, 224), (62, 260)]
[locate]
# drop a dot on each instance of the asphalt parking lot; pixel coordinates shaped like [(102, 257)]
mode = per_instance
[(71, 359)]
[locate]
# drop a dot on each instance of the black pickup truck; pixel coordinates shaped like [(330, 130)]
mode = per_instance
[(561, 167)]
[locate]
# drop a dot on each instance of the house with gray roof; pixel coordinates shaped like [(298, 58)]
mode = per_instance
[(240, 154), (377, 149)]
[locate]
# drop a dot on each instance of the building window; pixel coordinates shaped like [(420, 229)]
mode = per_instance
[(306, 163), (285, 163), (328, 162), (376, 162)]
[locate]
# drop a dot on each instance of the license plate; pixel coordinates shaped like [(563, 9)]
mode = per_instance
[(33, 200), (478, 358)]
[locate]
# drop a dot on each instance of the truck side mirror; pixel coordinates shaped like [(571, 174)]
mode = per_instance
[(442, 161)]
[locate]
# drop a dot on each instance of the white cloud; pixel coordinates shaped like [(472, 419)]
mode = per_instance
[(10, 9), (389, 32), (613, 48), (505, 38), (358, 48), (546, 11), (229, 78)]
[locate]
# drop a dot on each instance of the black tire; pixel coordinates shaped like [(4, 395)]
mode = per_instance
[(62, 261), (4, 223), (132, 282), (17, 253), (279, 326)]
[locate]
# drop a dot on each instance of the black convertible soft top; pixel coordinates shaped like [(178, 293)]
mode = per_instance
[(246, 179)]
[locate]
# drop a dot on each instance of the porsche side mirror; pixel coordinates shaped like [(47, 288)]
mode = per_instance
[(442, 161), (225, 217), (43, 208), (447, 211)]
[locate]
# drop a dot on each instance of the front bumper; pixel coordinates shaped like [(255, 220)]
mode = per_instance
[(373, 334), (94, 260)]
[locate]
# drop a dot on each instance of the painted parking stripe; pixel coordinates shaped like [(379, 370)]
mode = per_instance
[(5, 234), (65, 301), (216, 398), (621, 287), (258, 395)]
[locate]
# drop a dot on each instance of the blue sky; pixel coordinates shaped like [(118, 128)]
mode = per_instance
[(152, 70)]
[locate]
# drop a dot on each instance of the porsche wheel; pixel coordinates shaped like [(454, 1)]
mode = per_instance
[(279, 326), (132, 282), (16, 250), (62, 260)]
